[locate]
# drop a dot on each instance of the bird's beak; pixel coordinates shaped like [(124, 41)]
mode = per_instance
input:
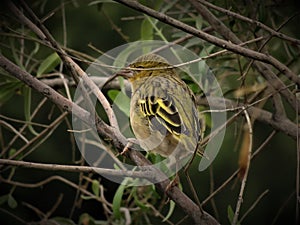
[(126, 73)]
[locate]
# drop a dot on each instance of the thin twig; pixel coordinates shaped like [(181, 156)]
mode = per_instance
[(264, 70), (285, 125), (23, 122), (252, 21), (298, 164), (235, 173), (212, 39), (24, 126), (254, 204), (54, 207), (243, 185), (13, 215), (85, 169), (45, 133), (45, 35), (49, 179), (10, 127), (275, 218)]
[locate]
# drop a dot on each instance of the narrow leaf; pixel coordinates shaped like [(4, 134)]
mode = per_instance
[(121, 100), (117, 200), (171, 210), (48, 64), (146, 30), (95, 187), (230, 214), (12, 203), (27, 108)]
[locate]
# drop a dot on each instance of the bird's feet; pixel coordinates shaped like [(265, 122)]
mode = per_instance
[(130, 143)]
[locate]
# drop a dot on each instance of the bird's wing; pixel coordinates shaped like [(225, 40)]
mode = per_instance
[(162, 115)]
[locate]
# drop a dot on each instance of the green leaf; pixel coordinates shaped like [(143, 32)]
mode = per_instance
[(27, 108), (206, 50), (87, 197), (199, 22), (171, 210), (95, 187), (192, 42), (48, 64), (121, 100), (11, 152), (8, 89), (12, 203), (3, 199), (146, 30), (117, 200), (159, 32), (122, 58), (138, 202), (230, 214)]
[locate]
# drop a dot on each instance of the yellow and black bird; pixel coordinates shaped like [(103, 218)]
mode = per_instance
[(163, 114)]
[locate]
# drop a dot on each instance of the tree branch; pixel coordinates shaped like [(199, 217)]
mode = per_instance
[(251, 21), (110, 133), (263, 69), (212, 39), (284, 125), (75, 70), (78, 169)]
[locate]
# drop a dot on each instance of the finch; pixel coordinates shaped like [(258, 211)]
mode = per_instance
[(163, 114)]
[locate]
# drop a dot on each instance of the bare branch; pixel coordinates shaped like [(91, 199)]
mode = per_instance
[(212, 39), (264, 70), (43, 89), (254, 204), (77, 169), (249, 142), (76, 71), (110, 133), (251, 21), (284, 125)]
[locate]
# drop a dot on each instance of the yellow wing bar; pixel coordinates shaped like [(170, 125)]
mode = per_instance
[(162, 112)]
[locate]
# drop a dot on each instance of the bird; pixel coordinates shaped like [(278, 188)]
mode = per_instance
[(163, 114)]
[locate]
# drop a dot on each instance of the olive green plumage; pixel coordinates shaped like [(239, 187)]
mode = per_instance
[(163, 113)]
